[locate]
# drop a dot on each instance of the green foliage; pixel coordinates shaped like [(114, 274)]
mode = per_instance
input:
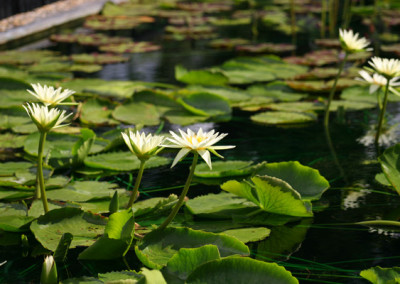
[(379, 275)]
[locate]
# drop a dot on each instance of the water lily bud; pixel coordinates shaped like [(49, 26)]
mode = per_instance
[(49, 271)]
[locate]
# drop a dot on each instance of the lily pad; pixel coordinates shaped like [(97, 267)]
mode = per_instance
[(158, 247), (187, 259), (81, 191), (228, 43), (283, 117), (98, 58), (118, 236), (247, 235), (122, 161), (379, 275), (13, 217), (271, 195), (225, 169), (237, 270), (99, 22), (389, 161), (222, 205), (233, 95), (305, 180), (201, 77), (274, 48), (84, 226), (97, 112), (132, 47), (205, 104), (137, 113)]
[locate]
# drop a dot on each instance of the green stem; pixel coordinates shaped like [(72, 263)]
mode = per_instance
[(40, 171), (382, 114), (332, 93), (183, 194), (137, 183)]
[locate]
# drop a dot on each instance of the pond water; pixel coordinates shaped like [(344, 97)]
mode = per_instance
[(328, 248)]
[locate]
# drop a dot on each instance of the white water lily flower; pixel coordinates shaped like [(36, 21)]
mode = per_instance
[(45, 118), (377, 81), (141, 145), (48, 95), (352, 42), (389, 68), (49, 271), (199, 142)]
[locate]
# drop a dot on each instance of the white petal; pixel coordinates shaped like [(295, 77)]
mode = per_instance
[(206, 157), (182, 153)]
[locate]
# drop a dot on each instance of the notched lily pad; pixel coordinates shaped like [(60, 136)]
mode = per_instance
[(274, 48), (225, 169), (99, 22), (98, 58)]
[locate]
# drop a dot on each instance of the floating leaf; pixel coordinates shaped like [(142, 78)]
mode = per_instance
[(240, 270), (84, 226), (81, 191), (274, 48), (390, 165), (222, 205), (276, 90), (96, 58), (13, 217), (132, 47), (118, 236), (305, 180), (157, 248), (122, 161), (247, 235), (99, 22), (231, 94), (187, 259), (379, 275), (96, 112), (271, 195), (205, 104), (137, 113), (283, 117), (228, 43), (224, 169), (9, 140), (201, 77)]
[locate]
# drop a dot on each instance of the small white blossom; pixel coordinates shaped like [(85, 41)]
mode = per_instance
[(377, 81), (141, 145), (199, 142), (352, 42), (389, 68), (48, 95), (45, 118)]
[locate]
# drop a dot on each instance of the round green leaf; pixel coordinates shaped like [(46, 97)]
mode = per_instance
[(379, 275), (202, 77), (283, 117), (157, 248), (305, 180), (122, 161), (84, 226), (205, 104), (235, 270), (137, 113), (390, 166), (271, 195), (96, 112), (187, 259), (224, 169), (247, 235)]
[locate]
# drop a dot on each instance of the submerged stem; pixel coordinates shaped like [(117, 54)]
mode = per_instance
[(40, 171), (382, 113), (183, 194), (332, 93), (137, 183)]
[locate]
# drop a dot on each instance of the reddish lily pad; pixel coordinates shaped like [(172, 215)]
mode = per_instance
[(266, 48), (99, 22), (196, 30), (321, 86), (98, 58), (328, 42), (196, 21), (204, 7), (228, 43), (133, 47)]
